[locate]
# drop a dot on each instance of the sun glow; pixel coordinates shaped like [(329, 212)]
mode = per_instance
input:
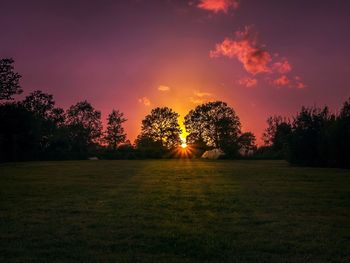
[(183, 140)]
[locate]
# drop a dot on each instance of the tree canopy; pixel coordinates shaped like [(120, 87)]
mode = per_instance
[(39, 103), (115, 134), (247, 143), (216, 124), (308, 141), (9, 80), (161, 125), (85, 122)]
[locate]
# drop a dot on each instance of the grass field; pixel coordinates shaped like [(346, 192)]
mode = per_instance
[(173, 211)]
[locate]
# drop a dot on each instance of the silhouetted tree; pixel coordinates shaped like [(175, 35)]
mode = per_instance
[(115, 134), (247, 143), (48, 118), (308, 143), (149, 148), (282, 134), (58, 116), (271, 132), (197, 146), (216, 124), (339, 137), (19, 128), (9, 80), (126, 150), (162, 126), (39, 103), (85, 127), (276, 135)]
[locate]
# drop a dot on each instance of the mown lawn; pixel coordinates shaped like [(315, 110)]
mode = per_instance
[(173, 211)]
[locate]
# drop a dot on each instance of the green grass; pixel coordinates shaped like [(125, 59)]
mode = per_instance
[(173, 211)]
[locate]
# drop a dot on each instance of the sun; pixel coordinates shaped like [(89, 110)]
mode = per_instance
[(183, 141), (184, 150)]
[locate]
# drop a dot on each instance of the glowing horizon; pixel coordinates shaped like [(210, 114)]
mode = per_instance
[(137, 55)]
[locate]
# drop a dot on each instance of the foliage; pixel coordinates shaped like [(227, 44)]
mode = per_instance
[(315, 137), (115, 134), (149, 148), (308, 142), (19, 136), (276, 132), (39, 103), (9, 80), (162, 127), (198, 147), (276, 135), (340, 138), (247, 144), (84, 123), (34, 129), (216, 124)]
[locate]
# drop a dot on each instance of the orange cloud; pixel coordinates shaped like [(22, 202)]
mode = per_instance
[(145, 101), (163, 88), (248, 82), (200, 97), (217, 6), (282, 67), (203, 94), (245, 48), (196, 100)]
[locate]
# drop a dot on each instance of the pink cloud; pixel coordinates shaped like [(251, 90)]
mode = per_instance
[(217, 6), (245, 48), (282, 67), (282, 81), (299, 83), (248, 82)]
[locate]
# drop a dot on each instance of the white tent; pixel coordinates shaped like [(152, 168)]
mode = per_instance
[(213, 154)]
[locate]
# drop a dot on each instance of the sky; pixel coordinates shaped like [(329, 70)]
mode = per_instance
[(261, 57)]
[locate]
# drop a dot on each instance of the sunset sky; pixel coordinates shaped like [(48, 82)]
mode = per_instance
[(261, 57)]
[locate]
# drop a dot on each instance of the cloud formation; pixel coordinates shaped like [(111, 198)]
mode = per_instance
[(282, 67), (282, 81), (196, 100), (163, 88), (217, 6), (245, 48), (299, 84), (202, 94), (248, 82), (200, 97), (145, 101)]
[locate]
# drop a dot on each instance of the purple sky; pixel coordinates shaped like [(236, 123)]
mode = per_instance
[(262, 57)]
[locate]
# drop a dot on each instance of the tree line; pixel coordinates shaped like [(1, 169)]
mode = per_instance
[(314, 137), (35, 129)]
